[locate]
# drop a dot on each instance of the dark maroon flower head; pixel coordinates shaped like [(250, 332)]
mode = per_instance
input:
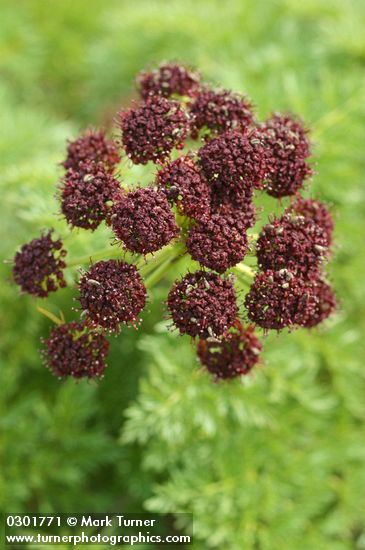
[(85, 194), (143, 220), (234, 203), (185, 185), (73, 349), (287, 139), (38, 266), (325, 306), (218, 243), (112, 292), (235, 160), (151, 131), (167, 80), (292, 242), (316, 211), (279, 299), (219, 111), (233, 355), (203, 304), (92, 146)]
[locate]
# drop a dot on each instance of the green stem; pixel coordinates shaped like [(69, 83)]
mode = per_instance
[(50, 315), (245, 269), (157, 274), (145, 263), (152, 263), (104, 253), (152, 271), (149, 263), (164, 265)]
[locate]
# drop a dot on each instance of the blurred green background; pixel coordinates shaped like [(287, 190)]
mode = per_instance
[(275, 462)]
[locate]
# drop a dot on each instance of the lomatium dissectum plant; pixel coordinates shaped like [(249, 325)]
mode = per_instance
[(199, 204)]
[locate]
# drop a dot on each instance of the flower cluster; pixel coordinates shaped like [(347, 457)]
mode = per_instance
[(112, 292), (316, 211), (38, 266), (218, 111), (291, 251), (92, 146), (325, 303), (143, 220), (73, 349), (287, 141), (233, 355), (168, 80), (200, 204), (218, 243), (236, 160), (203, 304), (185, 185), (292, 242), (152, 130), (278, 299), (86, 194)]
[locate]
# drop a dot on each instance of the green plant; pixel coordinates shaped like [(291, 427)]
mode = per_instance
[(211, 191), (58, 75)]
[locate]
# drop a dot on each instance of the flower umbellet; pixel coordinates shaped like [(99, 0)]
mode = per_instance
[(279, 299), (325, 303), (185, 185), (287, 139), (38, 266), (236, 160), (293, 242), (200, 208), (152, 130), (92, 146), (234, 355), (203, 304), (218, 243), (218, 111), (236, 204), (167, 80), (112, 292), (316, 211), (73, 349), (85, 194), (143, 220)]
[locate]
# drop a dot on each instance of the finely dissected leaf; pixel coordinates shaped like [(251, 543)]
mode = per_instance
[(275, 463)]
